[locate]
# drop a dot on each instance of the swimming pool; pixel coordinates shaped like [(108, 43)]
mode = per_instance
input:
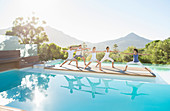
[(57, 91)]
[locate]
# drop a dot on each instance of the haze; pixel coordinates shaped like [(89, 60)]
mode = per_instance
[(95, 20)]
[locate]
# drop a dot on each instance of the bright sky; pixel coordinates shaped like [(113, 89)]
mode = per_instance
[(95, 20)]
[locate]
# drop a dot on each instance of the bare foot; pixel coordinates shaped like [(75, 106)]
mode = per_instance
[(100, 69), (113, 67), (77, 67), (124, 70), (61, 66), (69, 64)]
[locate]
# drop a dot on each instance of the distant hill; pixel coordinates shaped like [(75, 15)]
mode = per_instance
[(129, 40), (61, 38), (64, 40), (3, 31)]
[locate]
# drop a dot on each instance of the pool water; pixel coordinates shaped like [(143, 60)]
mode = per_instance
[(34, 91)]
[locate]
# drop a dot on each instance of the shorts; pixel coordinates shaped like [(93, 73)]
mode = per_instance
[(68, 59), (78, 56), (107, 58), (139, 63)]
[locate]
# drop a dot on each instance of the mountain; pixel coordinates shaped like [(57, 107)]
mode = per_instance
[(60, 38), (64, 40), (3, 31), (129, 40)]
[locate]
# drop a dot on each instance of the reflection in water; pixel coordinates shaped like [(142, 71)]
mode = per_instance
[(70, 84), (134, 92), (107, 87), (79, 83), (93, 87), (25, 86)]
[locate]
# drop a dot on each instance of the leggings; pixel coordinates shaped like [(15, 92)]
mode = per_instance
[(107, 58), (139, 63)]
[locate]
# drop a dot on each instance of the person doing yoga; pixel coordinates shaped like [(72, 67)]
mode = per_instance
[(78, 53), (70, 57), (106, 56), (93, 58), (136, 60)]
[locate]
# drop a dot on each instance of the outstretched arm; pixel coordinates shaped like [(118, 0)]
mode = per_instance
[(114, 51), (99, 51), (75, 48), (87, 51), (143, 54), (78, 50), (127, 53), (64, 50), (84, 48)]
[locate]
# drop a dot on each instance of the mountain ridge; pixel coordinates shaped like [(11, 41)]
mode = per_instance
[(64, 40)]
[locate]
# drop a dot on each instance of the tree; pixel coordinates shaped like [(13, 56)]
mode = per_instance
[(84, 46), (51, 52), (115, 46), (29, 30), (55, 51), (127, 58), (44, 52), (159, 51)]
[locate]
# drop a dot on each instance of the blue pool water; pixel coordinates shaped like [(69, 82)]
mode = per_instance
[(34, 91)]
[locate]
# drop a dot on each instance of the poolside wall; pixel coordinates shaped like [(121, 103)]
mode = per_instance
[(9, 60), (16, 55)]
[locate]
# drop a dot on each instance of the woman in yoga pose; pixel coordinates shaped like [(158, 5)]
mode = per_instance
[(93, 58), (135, 60), (106, 56)]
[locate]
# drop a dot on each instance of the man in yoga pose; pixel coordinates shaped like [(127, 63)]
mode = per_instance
[(78, 53), (70, 57), (106, 56), (93, 58), (135, 60)]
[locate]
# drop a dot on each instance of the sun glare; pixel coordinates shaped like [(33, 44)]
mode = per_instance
[(36, 6)]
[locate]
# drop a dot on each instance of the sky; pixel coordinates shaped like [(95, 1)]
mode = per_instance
[(94, 20)]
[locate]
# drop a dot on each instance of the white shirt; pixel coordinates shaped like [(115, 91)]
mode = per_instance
[(78, 52), (106, 54), (70, 54), (93, 56)]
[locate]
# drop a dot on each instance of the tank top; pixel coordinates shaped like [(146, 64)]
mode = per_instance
[(93, 56), (70, 54), (107, 54), (135, 58), (78, 52)]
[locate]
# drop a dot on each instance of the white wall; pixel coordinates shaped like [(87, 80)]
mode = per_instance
[(11, 43)]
